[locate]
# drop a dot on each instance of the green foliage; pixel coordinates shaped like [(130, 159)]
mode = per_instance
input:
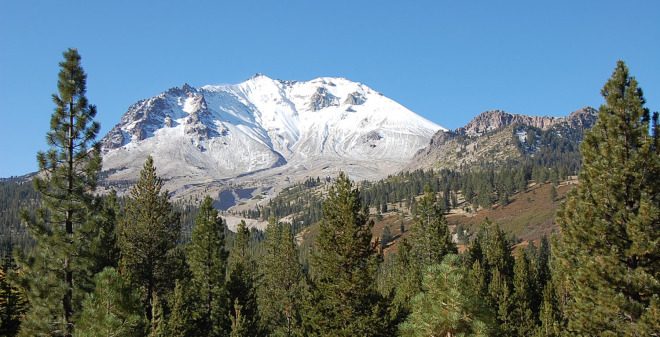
[(238, 322), (386, 237), (430, 236), (549, 313), (105, 250), (490, 274), (344, 300), (609, 250), (241, 285), (16, 194), (406, 280), (279, 294), (553, 193), (56, 273), (523, 292), (147, 238), (207, 258), (445, 307), (13, 303), (112, 309), (185, 320)]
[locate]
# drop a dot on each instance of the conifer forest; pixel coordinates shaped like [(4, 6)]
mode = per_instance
[(76, 262)]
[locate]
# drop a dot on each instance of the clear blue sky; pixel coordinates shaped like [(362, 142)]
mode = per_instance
[(446, 60)]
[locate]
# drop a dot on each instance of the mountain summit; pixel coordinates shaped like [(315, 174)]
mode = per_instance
[(264, 127)]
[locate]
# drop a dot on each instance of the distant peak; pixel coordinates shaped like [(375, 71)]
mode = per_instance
[(587, 110), (187, 88)]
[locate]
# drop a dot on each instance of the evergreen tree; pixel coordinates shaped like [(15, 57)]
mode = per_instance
[(238, 322), (490, 274), (184, 321), (407, 280), (549, 314), (609, 249), (430, 236), (553, 193), (446, 307), (344, 299), (541, 269), (386, 237), (12, 301), (207, 257), (147, 238), (112, 309), (241, 285), (159, 324), (279, 292), (523, 288), (105, 249), (57, 272)]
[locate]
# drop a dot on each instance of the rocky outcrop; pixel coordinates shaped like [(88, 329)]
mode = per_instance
[(490, 135), (497, 119), (322, 99), (355, 99)]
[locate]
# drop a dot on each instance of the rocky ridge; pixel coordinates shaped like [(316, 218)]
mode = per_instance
[(494, 136)]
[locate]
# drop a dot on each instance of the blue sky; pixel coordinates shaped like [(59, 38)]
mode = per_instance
[(446, 60)]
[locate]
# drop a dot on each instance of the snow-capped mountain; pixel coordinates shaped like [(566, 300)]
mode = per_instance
[(263, 128)]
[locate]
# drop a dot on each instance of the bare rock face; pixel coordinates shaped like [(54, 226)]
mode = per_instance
[(354, 98), (468, 145), (322, 99), (496, 119)]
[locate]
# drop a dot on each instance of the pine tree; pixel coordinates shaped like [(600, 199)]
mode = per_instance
[(386, 237), (184, 321), (489, 266), (609, 247), (430, 236), (407, 279), (57, 272), (13, 303), (105, 250), (446, 307), (549, 314), (241, 285), (344, 299), (207, 258), (523, 288), (553, 193), (541, 272), (238, 322), (147, 237), (279, 291), (112, 309), (159, 326)]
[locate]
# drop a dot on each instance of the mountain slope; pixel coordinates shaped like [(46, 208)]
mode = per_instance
[(265, 130), (495, 137)]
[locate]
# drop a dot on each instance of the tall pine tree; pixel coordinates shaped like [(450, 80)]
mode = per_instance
[(241, 286), (57, 272), (147, 238), (279, 291), (344, 299), (207, 258), (609, 247), (430, 236), (446, 307), (112, 309)]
